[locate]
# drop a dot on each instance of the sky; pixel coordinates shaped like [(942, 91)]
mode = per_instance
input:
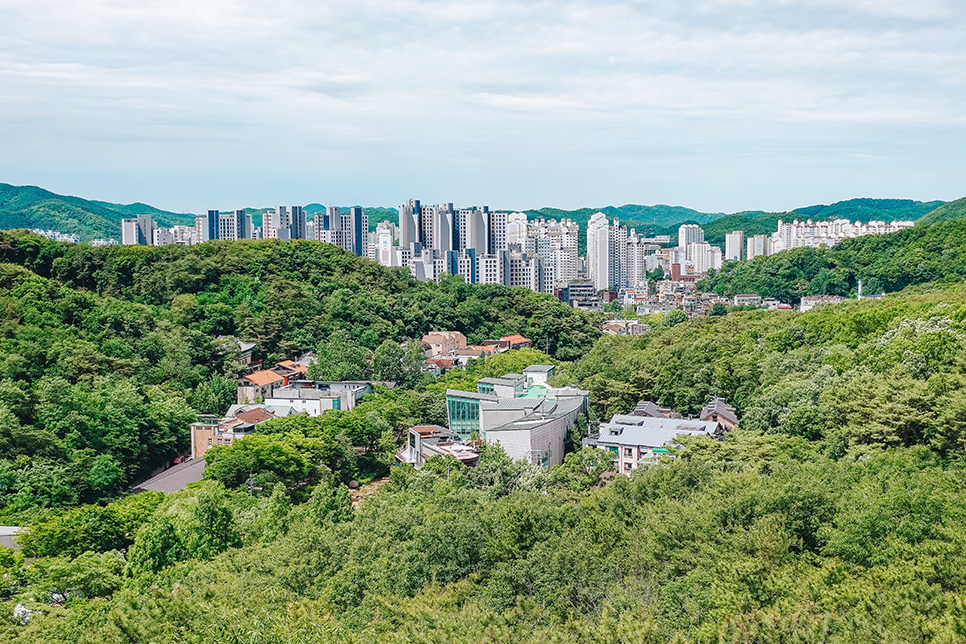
[(717, 105)]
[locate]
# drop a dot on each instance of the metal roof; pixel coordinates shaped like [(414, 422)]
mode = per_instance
[(539, 368), (174, 479), (653, 432)]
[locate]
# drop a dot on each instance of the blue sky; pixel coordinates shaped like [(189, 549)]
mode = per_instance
[(722, 105)]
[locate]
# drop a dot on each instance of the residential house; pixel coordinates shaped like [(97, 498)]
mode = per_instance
[(640, 440), (809, 302), (747, 299), (209, 431), (443, 343), (426, 441), (313, 397), (258, 385), (720, 412)]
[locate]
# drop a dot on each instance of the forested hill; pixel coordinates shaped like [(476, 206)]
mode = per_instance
[(885, 263), (288, 296), (33, 207), (834, 514)]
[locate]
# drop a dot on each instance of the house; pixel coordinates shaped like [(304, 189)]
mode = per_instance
[(538, 374), (240, 420), (809, 302), (7, 534), (313, 397), (439, 366), (426, 441), (516, 341), (290, 370), (625, 327), (244, 351), (747, 299), (442, 343), (258, 385), (640, 440), (720, 412)]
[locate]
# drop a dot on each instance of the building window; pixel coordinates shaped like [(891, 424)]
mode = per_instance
[(627, 467), (628, 451), (209, 442)]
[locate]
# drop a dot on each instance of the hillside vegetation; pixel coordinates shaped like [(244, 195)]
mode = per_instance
[(952, 210), (834, 514), (32, 207)]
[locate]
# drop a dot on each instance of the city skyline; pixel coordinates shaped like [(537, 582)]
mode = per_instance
[(720, 106)]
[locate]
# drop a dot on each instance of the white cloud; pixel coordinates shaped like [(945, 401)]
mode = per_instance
[(290, 89)]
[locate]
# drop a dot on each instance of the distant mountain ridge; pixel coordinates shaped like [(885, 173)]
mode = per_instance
[(34, 207)]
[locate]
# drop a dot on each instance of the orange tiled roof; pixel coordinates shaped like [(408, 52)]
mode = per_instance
[(264, 377), (516, 338)]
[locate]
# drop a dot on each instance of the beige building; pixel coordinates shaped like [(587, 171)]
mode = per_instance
[(441, 343)]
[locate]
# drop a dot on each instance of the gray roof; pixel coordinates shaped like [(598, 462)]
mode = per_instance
[(497, 381), (470, 395), (174, 479), (539, 368), (720, 407), (648, 408), (654, 432), (552, 411)]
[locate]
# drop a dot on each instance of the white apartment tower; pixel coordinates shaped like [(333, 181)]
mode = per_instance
[(690, 234), (734, 246)]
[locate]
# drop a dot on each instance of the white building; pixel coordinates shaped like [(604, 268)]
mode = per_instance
[(734, 246), (690, 234)]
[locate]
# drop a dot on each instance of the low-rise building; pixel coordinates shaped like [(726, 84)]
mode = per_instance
[(748, 299), (640, 440), (442, 343), (426, 441), (522, 412), (719, 411), (313, 397), (256, 386), (809, 302)]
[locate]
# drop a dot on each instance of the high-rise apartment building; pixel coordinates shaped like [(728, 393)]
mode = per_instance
[(758, 246), (690, 234), (734, 246), (138, 231), (236, 225)]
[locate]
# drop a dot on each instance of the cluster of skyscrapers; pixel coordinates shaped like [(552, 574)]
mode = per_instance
[(801, 234), (484, 247), (347, 228), (487, 247)]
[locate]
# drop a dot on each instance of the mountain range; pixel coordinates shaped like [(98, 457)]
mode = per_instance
[(34, 207)]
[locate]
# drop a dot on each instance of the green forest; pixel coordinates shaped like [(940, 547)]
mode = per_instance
[(885, 264), (834, 513)]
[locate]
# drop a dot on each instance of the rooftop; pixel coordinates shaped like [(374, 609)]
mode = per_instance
[(653, 432), (539, 368), (174, 479), (469, 395), (263, 377)]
